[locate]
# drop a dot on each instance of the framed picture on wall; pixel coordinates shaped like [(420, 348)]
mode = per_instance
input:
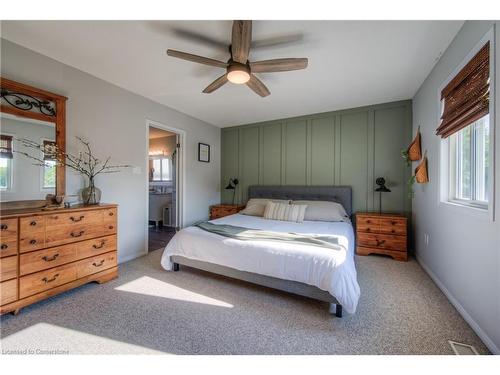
[(204, 152)]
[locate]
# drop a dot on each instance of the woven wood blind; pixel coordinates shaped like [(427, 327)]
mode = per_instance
[(6, 147), (466, 97)]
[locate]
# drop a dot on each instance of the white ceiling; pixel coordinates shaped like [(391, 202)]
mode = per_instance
[(351, 63)]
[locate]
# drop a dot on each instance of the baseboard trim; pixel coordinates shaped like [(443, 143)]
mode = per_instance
[(475, 327)]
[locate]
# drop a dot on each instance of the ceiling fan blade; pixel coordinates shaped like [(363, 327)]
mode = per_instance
[(199, 38), (257, 86), (196, 58), (278, 65), (276, 41), (222, 80), (240, 41)]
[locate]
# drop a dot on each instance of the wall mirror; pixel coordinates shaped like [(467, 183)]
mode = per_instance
[(30, 114)]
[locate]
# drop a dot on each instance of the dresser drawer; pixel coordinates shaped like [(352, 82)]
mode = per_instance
[(31, 241), (8, 291), (96, 246), (8, 229), (32, 224), (8, 268), (44, 280), (393, 226), (8, 247), (74, 219), (96, 264), (109, 215), (47, 258), (382, 241), (71, 233)]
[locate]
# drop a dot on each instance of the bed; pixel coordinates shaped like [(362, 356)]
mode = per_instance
[(315, 272)]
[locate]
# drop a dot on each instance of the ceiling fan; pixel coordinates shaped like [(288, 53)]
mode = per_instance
[(239, 69)]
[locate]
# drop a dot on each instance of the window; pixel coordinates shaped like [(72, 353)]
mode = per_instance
[(5, 174), (465, 129), (49, 168), (6, 157), (470, 163), (161, 169)]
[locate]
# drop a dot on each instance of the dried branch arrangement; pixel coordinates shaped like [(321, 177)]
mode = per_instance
[(84, 162)]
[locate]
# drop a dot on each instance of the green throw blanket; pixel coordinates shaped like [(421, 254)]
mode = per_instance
[(246, 234)]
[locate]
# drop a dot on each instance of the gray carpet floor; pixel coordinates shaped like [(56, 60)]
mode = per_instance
[(149, 310)]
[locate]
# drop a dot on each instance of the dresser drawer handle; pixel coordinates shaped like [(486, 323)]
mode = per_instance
[(380, 242), (47, 259), (50, 280), (393, 231), (98, 265), (110, 227), (368, 221), (4, 246), (75, 220), (33, 223), (393, 223), (4, 226), (368, 229), (79, 234), (110, 213), (32, 242), (99, 246)]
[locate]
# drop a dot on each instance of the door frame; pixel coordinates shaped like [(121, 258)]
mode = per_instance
[(181, 172)]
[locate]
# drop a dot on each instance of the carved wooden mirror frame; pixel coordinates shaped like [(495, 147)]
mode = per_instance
[(34, 103)]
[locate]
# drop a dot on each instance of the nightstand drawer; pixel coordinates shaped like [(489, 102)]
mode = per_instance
[(393, 226), (382, 241)]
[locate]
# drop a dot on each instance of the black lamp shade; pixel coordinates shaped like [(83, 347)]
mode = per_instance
[(232, 184), (380, 181)]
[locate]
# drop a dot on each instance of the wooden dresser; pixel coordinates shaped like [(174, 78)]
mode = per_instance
[(44, 253), (382, 234), (221, 210)]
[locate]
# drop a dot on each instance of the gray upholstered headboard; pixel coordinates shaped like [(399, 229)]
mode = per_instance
[(339, 194)]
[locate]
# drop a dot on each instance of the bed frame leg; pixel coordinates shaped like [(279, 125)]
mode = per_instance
[(176, 267), (336, 309)]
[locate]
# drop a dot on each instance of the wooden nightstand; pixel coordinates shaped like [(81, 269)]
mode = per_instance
[(382, 234), (221, 210)]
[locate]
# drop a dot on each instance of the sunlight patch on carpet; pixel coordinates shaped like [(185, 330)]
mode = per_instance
[(157, 288)]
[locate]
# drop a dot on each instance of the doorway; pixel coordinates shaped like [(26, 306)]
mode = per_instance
[(163, 162)]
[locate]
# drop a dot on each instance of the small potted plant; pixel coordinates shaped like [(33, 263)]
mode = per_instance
[(84, 163)]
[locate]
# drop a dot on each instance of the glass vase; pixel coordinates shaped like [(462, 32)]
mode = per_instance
[(91, 194)]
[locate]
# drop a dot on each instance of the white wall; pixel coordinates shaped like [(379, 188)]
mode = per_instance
[(114, 121), (27, 177), (463, 254)]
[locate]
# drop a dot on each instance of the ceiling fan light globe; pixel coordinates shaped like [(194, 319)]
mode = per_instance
[(238, 76)]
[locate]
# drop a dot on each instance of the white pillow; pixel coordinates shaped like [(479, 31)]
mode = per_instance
[(285, 212), (324, 211), (256, 206)]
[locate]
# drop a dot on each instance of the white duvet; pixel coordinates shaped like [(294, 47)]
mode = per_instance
[(325, 268)]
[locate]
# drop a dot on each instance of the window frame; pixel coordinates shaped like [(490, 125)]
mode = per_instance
[(162, 157), (454, 170), (10, 189), (447, 169)]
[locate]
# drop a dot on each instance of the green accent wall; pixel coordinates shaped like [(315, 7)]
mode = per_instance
[(348, 147)]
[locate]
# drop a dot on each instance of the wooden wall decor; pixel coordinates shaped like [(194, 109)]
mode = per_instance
[(421, 174), (27, 101), (415, 148)]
